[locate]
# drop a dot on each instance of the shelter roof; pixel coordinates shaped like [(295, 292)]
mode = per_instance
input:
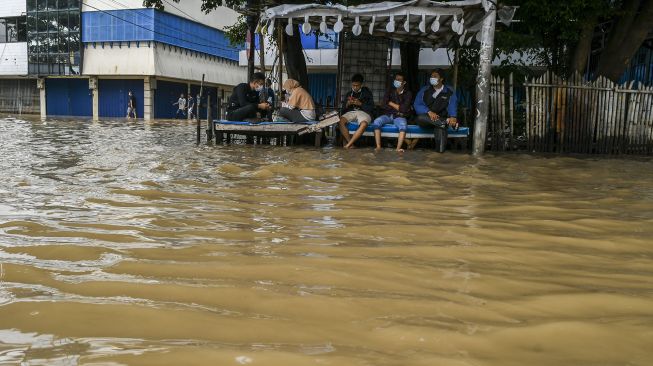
[(431, 23)]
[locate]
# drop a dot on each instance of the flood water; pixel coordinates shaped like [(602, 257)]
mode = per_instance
[(123, 243)]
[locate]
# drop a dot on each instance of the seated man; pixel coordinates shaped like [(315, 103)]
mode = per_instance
[(396, 108), (244, 102), (357, 106), (436, 105), (299, 105)]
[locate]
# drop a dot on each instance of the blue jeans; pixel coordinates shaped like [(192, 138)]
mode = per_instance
[(180, 111), (385, 119)]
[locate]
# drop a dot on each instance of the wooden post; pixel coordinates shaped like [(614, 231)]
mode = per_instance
[(209, 120), (455, 69), (483, 80), (251, 34), (199, 122), (512, 111), (261, 54), (280, 53)]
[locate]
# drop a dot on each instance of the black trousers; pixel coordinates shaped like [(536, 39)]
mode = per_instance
[(424, 121), (242, 113), (292, 115), (439, 130)]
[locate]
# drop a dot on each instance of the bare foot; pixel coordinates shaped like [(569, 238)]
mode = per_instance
[(400, 150), (349, 147), (378, 148)]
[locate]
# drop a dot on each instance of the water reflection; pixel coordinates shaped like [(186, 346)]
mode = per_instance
[(124, 243)]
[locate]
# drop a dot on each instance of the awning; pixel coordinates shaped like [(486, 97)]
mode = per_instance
[(431, 23)]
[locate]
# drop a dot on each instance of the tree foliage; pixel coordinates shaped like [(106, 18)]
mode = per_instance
[(556, 34)]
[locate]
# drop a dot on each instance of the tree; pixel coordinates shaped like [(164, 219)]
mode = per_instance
[(630, 30), (561, 32)]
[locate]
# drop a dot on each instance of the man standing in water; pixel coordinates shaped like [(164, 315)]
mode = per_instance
[(358, 106), (436, 106), (244, 103), (181, 106), (131, 105), (191, 106), (396, 108)]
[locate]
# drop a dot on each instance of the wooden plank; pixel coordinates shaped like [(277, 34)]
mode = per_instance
[(511, 104), (550, 114), (540, 116), (646, 123), (330, 120), (603, 117), (504, 116), (604, 128), (630, 127), (540, 109), (573, 122), (529, 116), (588, 121), (267, 128)]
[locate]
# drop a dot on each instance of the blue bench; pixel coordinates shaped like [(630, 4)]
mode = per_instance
[(416, 132), (412, 131)]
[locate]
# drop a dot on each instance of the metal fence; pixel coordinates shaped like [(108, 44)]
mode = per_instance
[(19, 96)]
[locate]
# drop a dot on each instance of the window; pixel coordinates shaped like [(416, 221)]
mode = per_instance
[(54, 34), (3, 31), (13, 30)]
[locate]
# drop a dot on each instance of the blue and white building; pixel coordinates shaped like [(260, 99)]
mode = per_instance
[(83, 56)]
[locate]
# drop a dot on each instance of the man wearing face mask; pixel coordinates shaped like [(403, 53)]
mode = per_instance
[(396, 109), (244, 104), (436, 106), (357, 106)]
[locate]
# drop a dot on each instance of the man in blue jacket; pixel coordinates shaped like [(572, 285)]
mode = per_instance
[(436, 104)]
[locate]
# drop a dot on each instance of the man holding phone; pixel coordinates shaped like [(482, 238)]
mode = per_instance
[(244, 103)]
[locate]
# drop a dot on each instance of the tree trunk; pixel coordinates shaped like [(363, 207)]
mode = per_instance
[(584, 47), (629, 33), (293, 55), (410, 64)]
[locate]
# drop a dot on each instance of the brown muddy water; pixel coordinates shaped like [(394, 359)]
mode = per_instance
[(122, 243)]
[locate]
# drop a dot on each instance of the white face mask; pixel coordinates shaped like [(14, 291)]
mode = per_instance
[(397, 84), (434, 81), (259, 88), (356, 90)]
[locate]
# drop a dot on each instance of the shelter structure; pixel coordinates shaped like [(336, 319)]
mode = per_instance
[(430, 23)]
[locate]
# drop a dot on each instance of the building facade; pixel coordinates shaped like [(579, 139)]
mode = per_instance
[(83, 56)]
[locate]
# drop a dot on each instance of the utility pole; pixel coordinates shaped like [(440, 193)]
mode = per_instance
[(483, 79)]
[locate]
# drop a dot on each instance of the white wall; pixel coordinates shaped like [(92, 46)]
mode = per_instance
[(189, 9), (160, 61), (119, 61), (178, 65), (12, 8), (13, 58)]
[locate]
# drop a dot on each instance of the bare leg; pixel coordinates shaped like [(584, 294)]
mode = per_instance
[(400, 142), (377, 138), (344, 130), (357, 135)]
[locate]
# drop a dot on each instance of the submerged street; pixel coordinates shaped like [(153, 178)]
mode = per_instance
[(124, 243)]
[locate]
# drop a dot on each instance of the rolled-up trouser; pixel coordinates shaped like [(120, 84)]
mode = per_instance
[(385, 119), (292, 115), (439, 127), (242, 113)]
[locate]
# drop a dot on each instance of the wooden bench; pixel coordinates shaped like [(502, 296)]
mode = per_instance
[(273, 129)]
